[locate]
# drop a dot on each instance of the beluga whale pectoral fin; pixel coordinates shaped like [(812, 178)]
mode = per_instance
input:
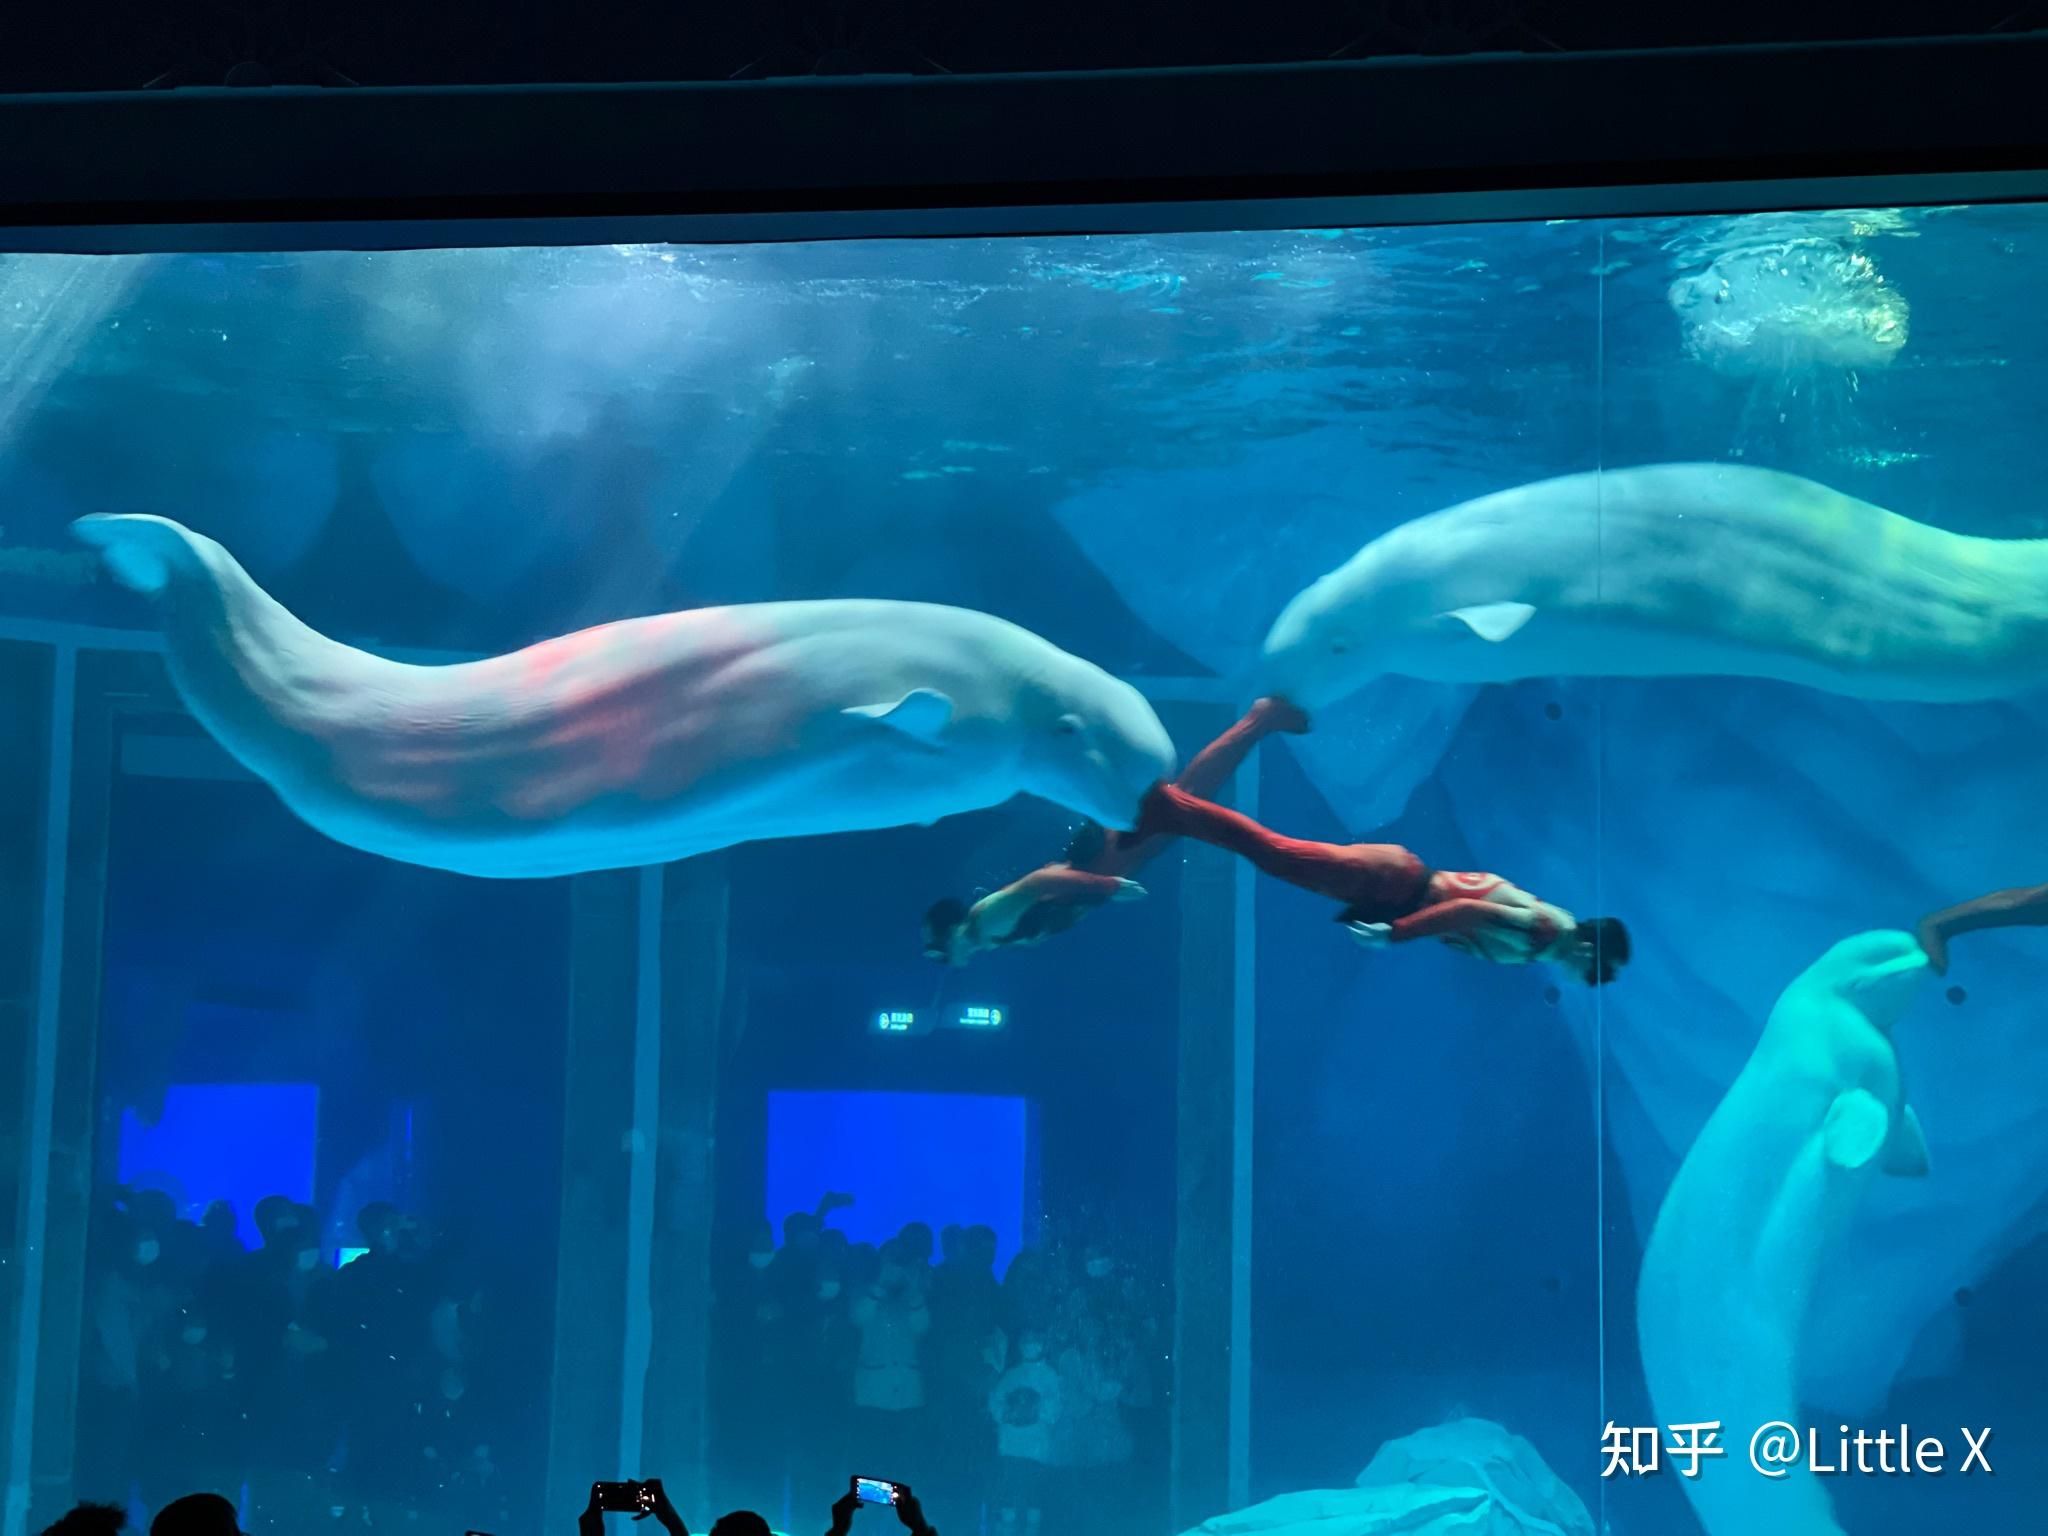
[(1857, 1125), (922, 713), (1905, 1151), (1494, 622)]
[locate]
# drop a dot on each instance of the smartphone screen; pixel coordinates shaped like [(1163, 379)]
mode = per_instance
[(623, 1498), (875, 1490)]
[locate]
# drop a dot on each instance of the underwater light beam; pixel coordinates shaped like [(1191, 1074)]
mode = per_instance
[(63, 299)]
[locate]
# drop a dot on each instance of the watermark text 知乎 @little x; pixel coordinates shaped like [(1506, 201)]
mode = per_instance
[(1778, 1449)]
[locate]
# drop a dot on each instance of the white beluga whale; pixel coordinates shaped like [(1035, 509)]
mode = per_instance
[(1674, 570), (643, 741), (1727, 1289)]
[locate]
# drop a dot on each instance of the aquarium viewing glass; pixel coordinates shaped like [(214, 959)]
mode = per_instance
[(443, 1088)]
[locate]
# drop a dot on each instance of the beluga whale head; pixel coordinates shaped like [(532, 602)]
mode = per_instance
[(1094, 745), (1320, 647), (1404, 604), (1877, 974)]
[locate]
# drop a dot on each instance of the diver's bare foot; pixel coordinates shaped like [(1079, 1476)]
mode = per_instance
[(1277, 714), (1129, 890)]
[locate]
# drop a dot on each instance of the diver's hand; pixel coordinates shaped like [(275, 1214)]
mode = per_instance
[(1935, 942), (1129, 890), (1371, 935)]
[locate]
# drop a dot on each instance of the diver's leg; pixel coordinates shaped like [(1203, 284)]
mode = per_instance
[(1118, 853), (1216, 764), (1325, 868)]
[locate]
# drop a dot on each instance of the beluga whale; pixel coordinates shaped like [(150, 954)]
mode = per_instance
[(1727, 1288), (1673, 570), (642, 741)]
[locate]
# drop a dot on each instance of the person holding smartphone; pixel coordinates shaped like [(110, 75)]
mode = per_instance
[(875, 1490), (649, 1500)]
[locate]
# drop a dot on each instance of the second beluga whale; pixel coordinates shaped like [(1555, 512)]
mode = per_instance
[(643, 741), (1728, 1292), (1672, 570)]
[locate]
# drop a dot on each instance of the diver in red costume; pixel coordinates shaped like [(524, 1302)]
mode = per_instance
[(1098, 864), (1390, 896)]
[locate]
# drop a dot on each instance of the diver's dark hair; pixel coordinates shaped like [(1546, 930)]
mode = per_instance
[(1611, 948), (944, 915), (1086, 845)]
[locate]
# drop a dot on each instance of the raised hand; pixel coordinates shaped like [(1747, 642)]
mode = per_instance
[(911, 1513), (665, 1512)]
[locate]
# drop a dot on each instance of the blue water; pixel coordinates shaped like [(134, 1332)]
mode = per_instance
[(1342, 1196)]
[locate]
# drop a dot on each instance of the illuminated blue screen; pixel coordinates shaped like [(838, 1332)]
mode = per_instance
[(938, 1158), (226, 1141)]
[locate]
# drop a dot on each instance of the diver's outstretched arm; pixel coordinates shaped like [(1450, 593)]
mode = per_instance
[(2020, 907), (1460, 917), (1076, 887)]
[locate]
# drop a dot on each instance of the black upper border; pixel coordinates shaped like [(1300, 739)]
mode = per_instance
[(1496, 137)]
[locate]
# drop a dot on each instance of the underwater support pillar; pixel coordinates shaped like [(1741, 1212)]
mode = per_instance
[(92, 691), (1211, 1422), (36, 695), (593, 1235), (692, 937)]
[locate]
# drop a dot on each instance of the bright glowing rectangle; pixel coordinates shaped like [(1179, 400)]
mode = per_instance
[(225, 1141), (938, 1158)]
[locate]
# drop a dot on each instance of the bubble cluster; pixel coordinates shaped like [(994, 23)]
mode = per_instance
[(1792, 304)]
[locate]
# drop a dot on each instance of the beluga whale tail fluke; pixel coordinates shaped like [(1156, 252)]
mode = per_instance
[(1673, 570), (140, 550), (642, 741)]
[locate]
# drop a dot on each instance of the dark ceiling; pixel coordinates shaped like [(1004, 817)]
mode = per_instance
[(63, 45)]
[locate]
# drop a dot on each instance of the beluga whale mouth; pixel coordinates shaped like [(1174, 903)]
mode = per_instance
[(642, 741)]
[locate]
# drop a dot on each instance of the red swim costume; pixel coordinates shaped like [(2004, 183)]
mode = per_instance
[(1212, 768), (1374, 882), (1053, 898)]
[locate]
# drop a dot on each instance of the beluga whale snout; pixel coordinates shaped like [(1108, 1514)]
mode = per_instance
[(642, 741), (1673, 570)]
